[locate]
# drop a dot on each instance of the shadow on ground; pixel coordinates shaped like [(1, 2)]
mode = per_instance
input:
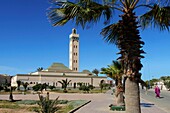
[(146, 104)]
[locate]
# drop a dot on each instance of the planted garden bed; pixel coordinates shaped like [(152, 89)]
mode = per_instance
[(31, 106)]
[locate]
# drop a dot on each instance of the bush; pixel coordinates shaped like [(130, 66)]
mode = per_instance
[(1, 88), (46, 105), (86, 88), (91, 87), (52, 87), (39, 87), (167, 84), (36, 87)]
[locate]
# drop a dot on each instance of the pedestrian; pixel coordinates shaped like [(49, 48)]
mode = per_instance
[(157, 91)]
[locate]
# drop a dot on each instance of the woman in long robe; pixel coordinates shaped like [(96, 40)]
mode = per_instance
[(157, 91)]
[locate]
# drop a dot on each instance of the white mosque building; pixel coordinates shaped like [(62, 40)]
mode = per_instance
[(58, 71)]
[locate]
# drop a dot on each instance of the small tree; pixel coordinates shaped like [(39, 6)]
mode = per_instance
[(101, 85), (18, 84), (6, 85), (95, 71), (25, 85), (36, 87), (64, 84), (46, 105), (167, 84), (40, 69), (40, 87)]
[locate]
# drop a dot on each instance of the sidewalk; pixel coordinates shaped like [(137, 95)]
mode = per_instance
[(101, 106), (99, 102), (160, 104), (149, 107)]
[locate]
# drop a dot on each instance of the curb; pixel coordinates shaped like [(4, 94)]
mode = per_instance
[(72, 111)]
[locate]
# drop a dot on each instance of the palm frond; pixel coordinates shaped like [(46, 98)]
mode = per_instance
[(157, 17), (117, 64), (111, 33), (82, 12)]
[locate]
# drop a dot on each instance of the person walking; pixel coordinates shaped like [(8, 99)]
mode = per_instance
[(157, 91)]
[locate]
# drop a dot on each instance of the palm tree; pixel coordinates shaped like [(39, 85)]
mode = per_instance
[(95, 71), (18, 84), (115, 72), (64, 84), (124, 33), (46, 105), (40, 69), (101, 85)]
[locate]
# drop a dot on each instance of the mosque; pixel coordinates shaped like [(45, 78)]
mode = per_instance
[(58, 71)]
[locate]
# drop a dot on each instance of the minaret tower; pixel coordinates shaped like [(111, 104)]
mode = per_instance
[(74, 51)]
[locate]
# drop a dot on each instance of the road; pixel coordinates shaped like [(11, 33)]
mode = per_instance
[(163, 102)]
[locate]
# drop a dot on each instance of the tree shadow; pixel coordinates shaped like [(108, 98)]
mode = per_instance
[(146, 104)]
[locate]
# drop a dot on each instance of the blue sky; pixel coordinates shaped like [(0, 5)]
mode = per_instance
[(28, 41)]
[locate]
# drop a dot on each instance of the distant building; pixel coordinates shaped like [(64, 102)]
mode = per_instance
[(58, 71), (4, 79), (160, 84)]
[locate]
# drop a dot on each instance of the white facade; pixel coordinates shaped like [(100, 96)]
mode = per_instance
[(52, 78)]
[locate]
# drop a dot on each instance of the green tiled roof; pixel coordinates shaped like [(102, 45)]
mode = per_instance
[(86, 71), (58, 67)]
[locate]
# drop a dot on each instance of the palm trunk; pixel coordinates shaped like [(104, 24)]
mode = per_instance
[(119, 93), (120, 99), (132, 96), (11, 95)]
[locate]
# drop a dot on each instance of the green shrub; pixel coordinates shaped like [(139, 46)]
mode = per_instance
[(84, 88), (39, 87), (46, 105), (167, 84), (117, 108), (91, 87), (51, 87), (36, 87)]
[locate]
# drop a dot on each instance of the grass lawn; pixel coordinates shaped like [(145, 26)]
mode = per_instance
[(31, 106)]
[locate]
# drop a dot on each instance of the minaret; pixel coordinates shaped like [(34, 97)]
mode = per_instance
[(74, 51)]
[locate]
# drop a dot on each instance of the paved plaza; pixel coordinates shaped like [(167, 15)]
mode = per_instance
[(99, 102)]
